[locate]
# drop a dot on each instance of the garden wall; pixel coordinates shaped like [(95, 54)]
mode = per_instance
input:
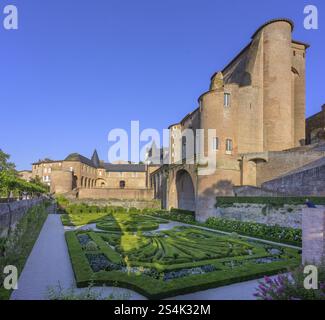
[(286, 216), (310, 181), (116, 194), (144, 204), (11, 213)]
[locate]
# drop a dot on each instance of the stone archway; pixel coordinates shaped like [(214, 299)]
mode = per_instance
[(74, 182), (82, 182), (100, 183), (185, 191)]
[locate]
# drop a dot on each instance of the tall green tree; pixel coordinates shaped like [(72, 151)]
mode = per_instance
[(8, 174), (10, 181)]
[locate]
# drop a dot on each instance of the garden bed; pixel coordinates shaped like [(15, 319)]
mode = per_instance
[(168, 263)]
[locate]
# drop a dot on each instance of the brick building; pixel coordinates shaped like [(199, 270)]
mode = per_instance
[(256, 107)]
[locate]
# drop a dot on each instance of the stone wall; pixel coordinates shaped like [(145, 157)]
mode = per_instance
[(117, 194), (282, 163), (286, 216), (313, 236), (11, 213), (304, 183), (154, 204), (249, 191)]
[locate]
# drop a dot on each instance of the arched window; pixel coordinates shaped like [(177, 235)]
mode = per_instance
[(122, 184)]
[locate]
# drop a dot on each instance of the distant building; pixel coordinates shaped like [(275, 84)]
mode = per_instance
[(156, 155), (25, 175), (89, 178)]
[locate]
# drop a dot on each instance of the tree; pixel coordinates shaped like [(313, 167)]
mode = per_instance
[(5, 165), (10, 181), (8, 174)]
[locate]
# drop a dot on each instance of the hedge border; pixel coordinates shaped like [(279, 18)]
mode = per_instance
[(157, 289)]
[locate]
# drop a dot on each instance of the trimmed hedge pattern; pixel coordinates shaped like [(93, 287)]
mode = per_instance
[(257, 230), (230, 261)]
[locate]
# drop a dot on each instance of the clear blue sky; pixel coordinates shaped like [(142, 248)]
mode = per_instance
[(77, 69)]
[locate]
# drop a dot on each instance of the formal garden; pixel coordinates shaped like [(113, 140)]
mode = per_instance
[(126, 248)]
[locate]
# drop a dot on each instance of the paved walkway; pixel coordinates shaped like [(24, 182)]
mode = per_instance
[(49, 264), (238, 291)]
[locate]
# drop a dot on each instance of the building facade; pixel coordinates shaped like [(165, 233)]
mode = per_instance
[(251, 125), (93, 178), (248, 131)]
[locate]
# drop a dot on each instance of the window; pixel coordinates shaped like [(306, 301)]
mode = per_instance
[(122, 184), (229, 146), (45, 170), (215, 144), (227, 99), (121, 174)]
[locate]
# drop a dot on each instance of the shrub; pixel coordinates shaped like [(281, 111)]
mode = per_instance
[(291, 287), (91, 246), (181, 217), (273, 233), (181, 211), (89, 293)]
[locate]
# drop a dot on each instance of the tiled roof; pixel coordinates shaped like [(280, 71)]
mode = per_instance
[(80, 158)]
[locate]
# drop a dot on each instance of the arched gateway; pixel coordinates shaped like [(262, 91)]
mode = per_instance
[(185, 191)]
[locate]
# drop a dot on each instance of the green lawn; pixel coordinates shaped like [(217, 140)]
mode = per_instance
[(167, 263)]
